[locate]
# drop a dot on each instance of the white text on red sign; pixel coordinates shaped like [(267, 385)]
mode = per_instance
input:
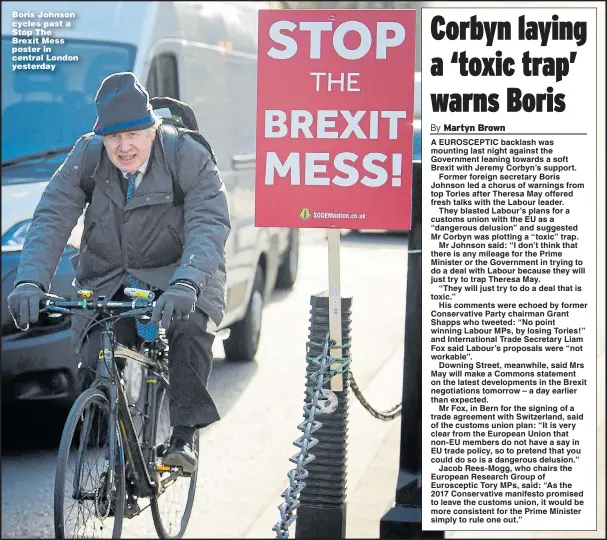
[(388, 35)]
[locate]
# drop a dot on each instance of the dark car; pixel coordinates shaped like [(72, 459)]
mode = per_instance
[(38, 364)]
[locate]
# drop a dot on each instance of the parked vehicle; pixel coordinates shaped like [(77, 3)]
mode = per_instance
[(203, 53)]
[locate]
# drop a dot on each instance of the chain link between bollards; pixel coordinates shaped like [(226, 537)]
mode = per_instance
[(385, 416)]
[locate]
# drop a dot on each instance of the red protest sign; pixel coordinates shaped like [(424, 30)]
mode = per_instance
[(335, 118)]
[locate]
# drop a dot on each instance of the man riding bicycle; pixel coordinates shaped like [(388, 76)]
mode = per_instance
[(134, 236)]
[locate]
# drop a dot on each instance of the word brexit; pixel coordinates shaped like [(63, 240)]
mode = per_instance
[(359, 124)]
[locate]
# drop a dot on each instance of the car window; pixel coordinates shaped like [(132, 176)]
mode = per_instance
[(163, 77)]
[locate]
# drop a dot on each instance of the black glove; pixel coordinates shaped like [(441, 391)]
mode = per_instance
[(178, 301), (24, 304)]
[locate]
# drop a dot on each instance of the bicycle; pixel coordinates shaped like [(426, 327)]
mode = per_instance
[(128, 463)]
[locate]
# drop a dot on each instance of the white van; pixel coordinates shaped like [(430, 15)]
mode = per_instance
[(202, 53)]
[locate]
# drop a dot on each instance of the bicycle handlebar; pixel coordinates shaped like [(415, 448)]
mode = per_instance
[(140, 304), (99, 305)]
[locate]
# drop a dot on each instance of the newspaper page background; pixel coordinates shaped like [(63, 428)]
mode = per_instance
[(531, 122)]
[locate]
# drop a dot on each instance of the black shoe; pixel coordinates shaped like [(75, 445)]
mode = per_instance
[(180, 454)]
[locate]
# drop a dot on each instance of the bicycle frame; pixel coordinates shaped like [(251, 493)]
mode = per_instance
[(141, 459)]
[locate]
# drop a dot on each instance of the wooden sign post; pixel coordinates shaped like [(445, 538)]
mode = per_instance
[(334, 237)]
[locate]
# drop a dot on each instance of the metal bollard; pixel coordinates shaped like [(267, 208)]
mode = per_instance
[(322, 513), (404, 519)]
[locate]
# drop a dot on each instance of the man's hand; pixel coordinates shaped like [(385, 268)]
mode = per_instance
[(178, 301), (24, 304)]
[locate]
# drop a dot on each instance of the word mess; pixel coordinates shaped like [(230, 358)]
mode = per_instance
[(316, 163)]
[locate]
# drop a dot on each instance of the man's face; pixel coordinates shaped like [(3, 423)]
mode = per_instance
[(129, 150)]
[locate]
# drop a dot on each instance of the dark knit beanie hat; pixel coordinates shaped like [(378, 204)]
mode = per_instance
[(123, 104)]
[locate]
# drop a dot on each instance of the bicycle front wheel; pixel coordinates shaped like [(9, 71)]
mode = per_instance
[(172, 508), (89, 501)]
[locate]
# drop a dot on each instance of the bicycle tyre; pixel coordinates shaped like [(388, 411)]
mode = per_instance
[(92, 396), (157, 512)]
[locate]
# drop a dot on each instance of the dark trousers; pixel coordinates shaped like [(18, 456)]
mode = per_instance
[(190, 362)]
